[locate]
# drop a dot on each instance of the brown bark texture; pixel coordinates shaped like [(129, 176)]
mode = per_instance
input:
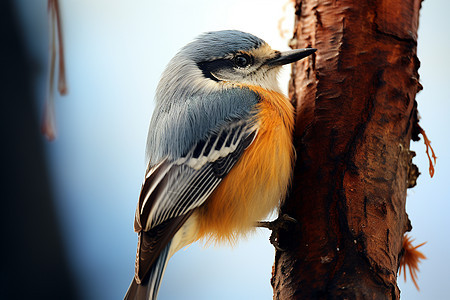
[(355, 116)]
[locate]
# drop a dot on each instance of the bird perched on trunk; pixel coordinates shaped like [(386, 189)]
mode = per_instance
[(219, 149)]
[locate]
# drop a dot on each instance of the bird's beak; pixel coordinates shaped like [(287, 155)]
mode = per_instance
[(288, 57)]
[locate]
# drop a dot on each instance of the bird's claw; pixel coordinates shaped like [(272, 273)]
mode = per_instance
[(280, 223)]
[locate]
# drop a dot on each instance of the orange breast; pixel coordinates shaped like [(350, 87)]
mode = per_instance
[(259, 180)]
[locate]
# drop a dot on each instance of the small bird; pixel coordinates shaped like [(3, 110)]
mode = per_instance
[(219, 149)]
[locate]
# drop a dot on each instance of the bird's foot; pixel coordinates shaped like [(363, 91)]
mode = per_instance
[(282, 222)]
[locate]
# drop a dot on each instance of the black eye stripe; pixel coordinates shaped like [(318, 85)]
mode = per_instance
[(229, 64), (212, 66)]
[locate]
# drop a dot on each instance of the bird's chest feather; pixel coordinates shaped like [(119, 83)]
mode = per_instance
[(258, 182)]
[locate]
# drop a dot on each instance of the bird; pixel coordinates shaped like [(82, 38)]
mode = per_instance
[(219, 149)]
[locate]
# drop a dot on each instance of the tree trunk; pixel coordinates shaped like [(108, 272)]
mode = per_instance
[(356, 114)]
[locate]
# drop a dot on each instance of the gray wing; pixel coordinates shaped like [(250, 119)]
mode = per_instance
[(172, 189)]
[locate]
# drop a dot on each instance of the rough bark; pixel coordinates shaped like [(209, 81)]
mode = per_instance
[(355, 117)]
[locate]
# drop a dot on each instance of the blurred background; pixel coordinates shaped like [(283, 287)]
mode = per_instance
[(67, 219)]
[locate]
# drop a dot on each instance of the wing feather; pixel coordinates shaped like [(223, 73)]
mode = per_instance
[(172, 189), (152, 243)]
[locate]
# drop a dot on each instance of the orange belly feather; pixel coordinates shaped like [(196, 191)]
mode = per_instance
[(259, 180)]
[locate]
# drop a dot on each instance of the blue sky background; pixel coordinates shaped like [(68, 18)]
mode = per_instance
[(115, 53)]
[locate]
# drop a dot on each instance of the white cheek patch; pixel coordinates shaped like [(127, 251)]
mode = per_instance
[(265, 78)]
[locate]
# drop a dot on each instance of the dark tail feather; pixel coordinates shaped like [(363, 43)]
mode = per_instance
[(148, 289)]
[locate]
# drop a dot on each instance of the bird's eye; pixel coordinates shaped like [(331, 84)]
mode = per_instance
[(242, 60)]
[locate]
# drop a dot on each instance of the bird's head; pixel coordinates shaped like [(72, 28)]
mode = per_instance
[(219, 59)]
